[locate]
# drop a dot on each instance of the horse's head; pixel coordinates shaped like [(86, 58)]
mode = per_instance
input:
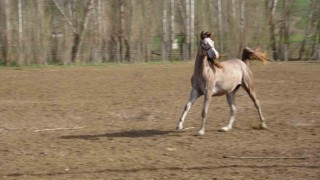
[(207, 45)]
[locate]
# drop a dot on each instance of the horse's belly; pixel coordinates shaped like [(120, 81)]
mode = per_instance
[(218, 92), (221, 89)]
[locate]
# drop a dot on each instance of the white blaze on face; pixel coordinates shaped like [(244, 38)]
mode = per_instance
[(212, 52)]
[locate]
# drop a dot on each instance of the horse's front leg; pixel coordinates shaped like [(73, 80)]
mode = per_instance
[(207, 99), (194, 95)]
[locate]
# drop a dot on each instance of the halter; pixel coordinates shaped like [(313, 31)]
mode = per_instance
[(210, 47), (206, 50)]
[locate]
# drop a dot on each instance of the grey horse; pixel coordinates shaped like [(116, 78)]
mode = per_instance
[(211, 78)]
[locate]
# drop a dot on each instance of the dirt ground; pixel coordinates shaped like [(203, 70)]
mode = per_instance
[(118, 122)]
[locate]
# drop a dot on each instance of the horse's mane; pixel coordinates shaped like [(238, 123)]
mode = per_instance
[(214, 63), (218, 65)]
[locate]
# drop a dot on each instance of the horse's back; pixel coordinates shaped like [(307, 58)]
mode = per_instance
[(234, 63)]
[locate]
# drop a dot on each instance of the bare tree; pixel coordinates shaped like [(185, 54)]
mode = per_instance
[(40, 35), (315, 37), (286, 13), (121, 31), (186, 48), (234, 11), (8, 34), (98, 32), (219, 8), (77, 35), (181, 23), (192, 35), (172, 31), (306, 31), (242, 26), (271, 6), (164, 31)]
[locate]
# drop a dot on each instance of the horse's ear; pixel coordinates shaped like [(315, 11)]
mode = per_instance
[(202, 35), (209, 34)]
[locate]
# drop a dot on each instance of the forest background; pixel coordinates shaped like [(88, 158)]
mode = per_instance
[(67, 32)]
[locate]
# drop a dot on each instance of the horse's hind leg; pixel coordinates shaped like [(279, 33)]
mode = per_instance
[(194, 95), (252, 94), (233, 110)]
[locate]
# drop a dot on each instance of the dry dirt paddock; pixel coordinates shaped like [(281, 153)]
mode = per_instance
[(118, 122)]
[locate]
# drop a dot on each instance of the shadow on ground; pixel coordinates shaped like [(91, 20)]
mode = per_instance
[(123, 134)]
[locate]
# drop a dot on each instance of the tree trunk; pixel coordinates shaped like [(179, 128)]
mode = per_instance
[(121, 32), (183, 24), (234, 11), (315, 51), (192, 38), (164, 31), (142, 34), (41, 55), (271, 23), (172, 34), (98, 39), (78, 38), (219, 8), (77, 35), (242, 26), (20, 36), (186, 48), (66, 18), (8, 34), (129, 42), (286, 15), (306, 32), (181, 10)]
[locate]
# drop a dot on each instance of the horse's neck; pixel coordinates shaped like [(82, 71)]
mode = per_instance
[(201, 64)]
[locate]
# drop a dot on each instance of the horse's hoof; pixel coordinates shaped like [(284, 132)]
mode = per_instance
[(224, 129), (263, 126), (179, 128), (201, 132)]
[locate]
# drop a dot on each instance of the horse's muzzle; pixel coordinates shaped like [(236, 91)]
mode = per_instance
[(211, 53)]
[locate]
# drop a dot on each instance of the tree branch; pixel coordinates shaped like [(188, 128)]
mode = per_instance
[(66, 18)]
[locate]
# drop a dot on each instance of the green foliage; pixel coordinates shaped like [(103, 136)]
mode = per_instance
[(296, 38), (2, 63), (301, 11), (157, 42), (302, 4)]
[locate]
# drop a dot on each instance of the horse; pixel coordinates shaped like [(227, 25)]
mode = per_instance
[(211, 78)]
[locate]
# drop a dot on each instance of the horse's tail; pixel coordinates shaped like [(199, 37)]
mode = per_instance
[(249, 54)]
